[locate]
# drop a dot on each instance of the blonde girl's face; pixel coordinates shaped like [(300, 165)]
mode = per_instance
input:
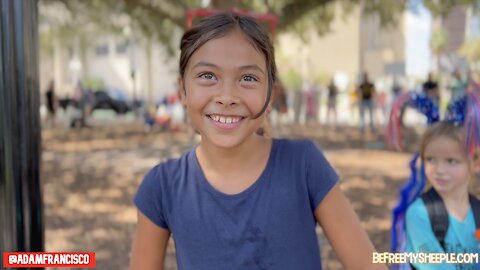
[(226, 85), (446, 166)]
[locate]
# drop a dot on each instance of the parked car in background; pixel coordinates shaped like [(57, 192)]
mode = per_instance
[(114, 100), (65, 102), (106, 99)]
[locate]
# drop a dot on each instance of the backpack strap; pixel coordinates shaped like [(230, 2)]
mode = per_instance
[(475, 205), (437, 212)]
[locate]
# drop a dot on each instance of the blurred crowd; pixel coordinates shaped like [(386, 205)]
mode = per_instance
[(366, 104)]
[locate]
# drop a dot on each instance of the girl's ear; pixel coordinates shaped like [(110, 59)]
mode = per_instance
[(275, 90), (476, 162), (269, 107), (181, 91)]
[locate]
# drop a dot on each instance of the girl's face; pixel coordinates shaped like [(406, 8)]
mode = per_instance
[(446, 166), (225, 86)]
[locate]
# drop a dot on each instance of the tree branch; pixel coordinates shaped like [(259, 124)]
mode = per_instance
[(269, 6), (295, 10), (156, 12)]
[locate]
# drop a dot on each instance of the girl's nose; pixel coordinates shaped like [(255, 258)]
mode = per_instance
[(440, 168), (227, 96)]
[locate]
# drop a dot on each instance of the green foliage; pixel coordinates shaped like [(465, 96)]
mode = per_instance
[(161, 19), (389, 11), (471, 50), (292, 80), (323, 78), (441, 8), (93, 84), (46, 44), (439, 41)]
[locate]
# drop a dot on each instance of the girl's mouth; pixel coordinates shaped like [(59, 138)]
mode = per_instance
[(441, 182), (225, 119), (226, 122)]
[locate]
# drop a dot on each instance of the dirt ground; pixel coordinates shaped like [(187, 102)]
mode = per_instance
[(91, 175)]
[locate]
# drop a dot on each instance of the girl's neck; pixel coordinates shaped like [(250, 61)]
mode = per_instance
[(457, 203), (232, 158)]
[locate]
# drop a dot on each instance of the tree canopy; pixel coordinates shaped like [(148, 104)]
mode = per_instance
[(158, 19)]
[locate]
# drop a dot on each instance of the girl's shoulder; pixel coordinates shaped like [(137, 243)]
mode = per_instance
[(417, 210), (299, 151), (296, 144)]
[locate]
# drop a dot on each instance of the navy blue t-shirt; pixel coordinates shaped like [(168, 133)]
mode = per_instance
[(270, 225)]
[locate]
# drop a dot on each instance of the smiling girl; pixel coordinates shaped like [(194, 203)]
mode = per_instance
[(239, 200)]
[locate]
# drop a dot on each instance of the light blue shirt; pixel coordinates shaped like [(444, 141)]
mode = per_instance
[(460, 236)]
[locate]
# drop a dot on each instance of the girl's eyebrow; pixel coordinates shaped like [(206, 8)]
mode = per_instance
[(205, 64), (246, 67), (254, 67)]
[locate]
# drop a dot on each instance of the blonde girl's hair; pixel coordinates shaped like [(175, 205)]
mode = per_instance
[(443, 129)]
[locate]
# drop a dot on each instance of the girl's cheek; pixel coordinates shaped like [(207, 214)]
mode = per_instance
[(255, 100), (198, 96)]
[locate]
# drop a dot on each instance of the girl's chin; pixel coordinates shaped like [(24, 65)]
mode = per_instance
[(219, 140), (224, 141)]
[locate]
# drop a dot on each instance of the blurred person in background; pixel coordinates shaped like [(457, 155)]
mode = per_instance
[(332, 102), (458, 86), (52, 103), (82, 99), (381, 102), (297, 104), (310, 93), (366, 92), (279, 102), (396, 89), (430, 88)]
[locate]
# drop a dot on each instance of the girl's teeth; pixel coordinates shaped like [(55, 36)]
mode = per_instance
[(225, 120)]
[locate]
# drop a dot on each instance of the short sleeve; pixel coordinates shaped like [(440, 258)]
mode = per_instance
[(321, 177), (149, 199)]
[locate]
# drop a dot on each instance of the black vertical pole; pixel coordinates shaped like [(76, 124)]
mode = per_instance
[(21, 204)]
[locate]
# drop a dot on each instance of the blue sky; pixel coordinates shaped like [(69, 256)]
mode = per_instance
[(417, 36)]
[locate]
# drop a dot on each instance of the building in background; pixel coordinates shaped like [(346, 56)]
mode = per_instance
[(140, 68), (356, 44), (382, 50), (454, 26)]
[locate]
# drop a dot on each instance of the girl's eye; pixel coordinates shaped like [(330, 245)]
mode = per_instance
[(452, 161), (429, 159), (249, 78), (207, 76)]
